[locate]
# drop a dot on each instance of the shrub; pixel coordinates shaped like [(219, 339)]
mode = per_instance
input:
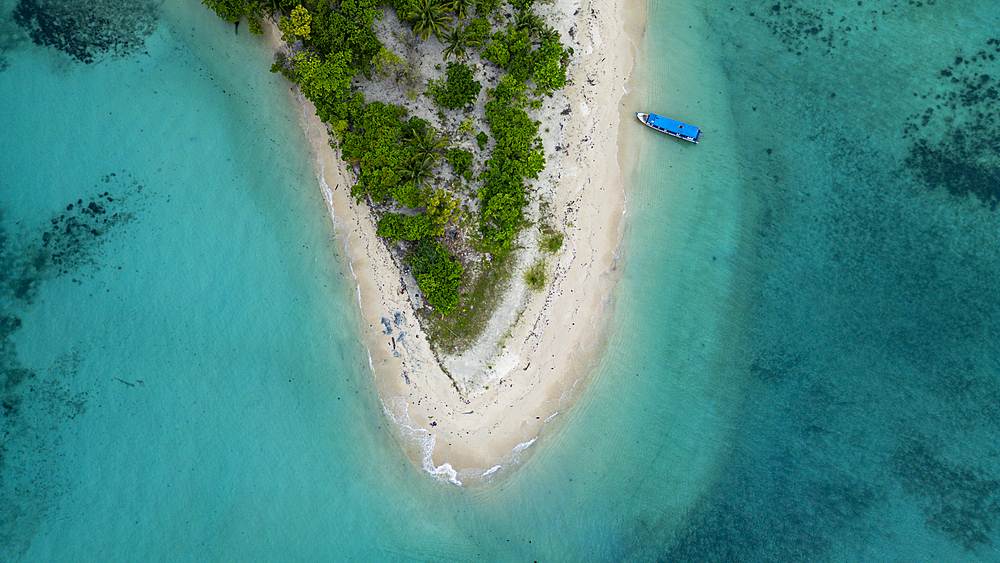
[(408, 194), (477, 32), (465, 127), (459, 89), (481, 139), (460, 160), (515, 50), (535, 276), (486, 7), (517, 155), (395, 226), (441, 208), (552, 242)]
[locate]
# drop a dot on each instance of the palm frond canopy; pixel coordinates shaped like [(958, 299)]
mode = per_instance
[(461, 7), (528, 21), (458, 41), (427, 142), (428, 17)]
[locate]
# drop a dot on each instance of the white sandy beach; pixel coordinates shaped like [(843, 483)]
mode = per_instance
[(511, 386)]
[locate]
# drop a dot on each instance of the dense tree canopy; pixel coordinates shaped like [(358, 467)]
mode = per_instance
[(517, 155), (296, 25), (373, 144), (333, 32), (232, 10), (438, 274), (323, 79)]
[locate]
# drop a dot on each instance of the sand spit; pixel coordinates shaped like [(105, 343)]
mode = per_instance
[(529, 364)]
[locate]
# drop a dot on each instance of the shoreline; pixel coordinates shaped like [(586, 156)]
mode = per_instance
[(544, 359)]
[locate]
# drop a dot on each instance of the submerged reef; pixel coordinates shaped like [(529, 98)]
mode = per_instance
[(956, 139), (66, 243), (962, 502), (34, 402), (871, 424), (803, 26), (87, 30)]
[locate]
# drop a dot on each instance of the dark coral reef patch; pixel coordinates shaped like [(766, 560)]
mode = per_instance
[(962, 502), (85, 30), (69, 243), (955, 141), (803, 26)]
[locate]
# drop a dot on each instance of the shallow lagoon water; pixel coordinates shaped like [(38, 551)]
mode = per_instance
[(800, 366)]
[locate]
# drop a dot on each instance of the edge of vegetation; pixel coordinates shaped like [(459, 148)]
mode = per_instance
[(414, 177)]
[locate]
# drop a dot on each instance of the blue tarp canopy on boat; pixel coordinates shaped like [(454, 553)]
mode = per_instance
[(673, 125)]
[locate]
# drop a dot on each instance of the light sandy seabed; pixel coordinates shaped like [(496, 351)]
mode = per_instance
[(511, 386)]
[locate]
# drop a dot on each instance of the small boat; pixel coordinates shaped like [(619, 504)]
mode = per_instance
[(670, 126)]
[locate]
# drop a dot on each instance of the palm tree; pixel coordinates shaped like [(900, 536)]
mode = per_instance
[(426, 149), (528, 21), (428, 17), (461, 7), (458, 41), (547, 34), (427, 143), (417, 169)]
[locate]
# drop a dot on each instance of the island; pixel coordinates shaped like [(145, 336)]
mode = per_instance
[(467, 152)]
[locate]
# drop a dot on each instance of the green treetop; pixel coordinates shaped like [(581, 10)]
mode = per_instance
[(296, 25)]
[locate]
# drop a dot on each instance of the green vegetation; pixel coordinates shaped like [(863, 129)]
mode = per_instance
[(535, 276), (395, 226), (349, 35), (413, 173), (461, 7), (438, 275), (459, 40), (530, 51), (487, 7), (516, 156), (373, 145), (460, 160), (390, 66), (477, 32), (483, 292), (234, 10), (552, 242), (296, 26), (459, 90), (429, 17)]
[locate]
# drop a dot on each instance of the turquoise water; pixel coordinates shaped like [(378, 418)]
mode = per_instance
[(801, 364), (851, 150)]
